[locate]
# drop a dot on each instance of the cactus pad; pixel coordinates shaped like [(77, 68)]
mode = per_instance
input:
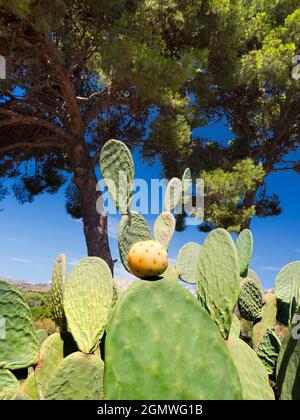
[(164, 227), (268, 319), (87, 301), (58, 282), (235, 328), (116, 292), (19, 347), (148, 333), (288, 378), (29, 387), (218, 278), (117, 169), (244, 247), (7, 380), (41, 336), (50, 356), (13, 394), (252, 373), (268, 350), (250, 299), (284, 281), (133, 228), (78, 377), (173, 195), (187, 260)]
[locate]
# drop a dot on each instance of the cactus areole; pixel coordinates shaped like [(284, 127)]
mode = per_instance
[(147, 259)]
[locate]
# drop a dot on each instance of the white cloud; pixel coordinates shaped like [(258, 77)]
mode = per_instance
[(17, 241), (21, 260), (270, 268)]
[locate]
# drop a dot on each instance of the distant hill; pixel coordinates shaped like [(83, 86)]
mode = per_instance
[(28, 287)]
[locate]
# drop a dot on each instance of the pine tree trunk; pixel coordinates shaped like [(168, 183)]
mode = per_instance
[(94, 223)]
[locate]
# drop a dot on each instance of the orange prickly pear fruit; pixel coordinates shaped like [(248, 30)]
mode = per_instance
[(147, 259)]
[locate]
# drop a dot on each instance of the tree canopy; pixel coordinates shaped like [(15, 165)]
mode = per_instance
[(150, 72), (244, 79)]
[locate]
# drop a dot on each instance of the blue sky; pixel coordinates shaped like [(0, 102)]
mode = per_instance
[(31, 235)]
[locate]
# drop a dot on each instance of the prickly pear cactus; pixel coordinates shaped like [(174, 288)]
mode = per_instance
[(41, 336), (268, 319), (218, 278), (164, 227), (253, 275), (252, 373), (284, 281), (235, 328), (50, 356), (116, 292), (58, 281), (187, 260), (117, 169), (244, 247), (13, 394), (173, 194), (288, 379), (18, 347), (78, 377), (187, 187), (29, 387), (250, 301), (148, 333), (7, 380), (268, 350), (87, 301), (147, 259), (133, 228)]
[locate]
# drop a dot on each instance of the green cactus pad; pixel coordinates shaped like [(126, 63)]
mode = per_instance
[(58, 282), (148, 334), (50, 356), (252, 373), (288, 378), (13, 394), (116, 292), (133, 228), (87, 301), (29, 387), (284, 281), (268, 350), (268, 319), (244, 247), (218, 279), (187, 186), (19, 347), (78, 377), (187, 260), (246, 330), (173, 194), (253, 275), (117, 169), (7, 380), (41, 336), (235, 328), (250, 299), (164, 227)]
